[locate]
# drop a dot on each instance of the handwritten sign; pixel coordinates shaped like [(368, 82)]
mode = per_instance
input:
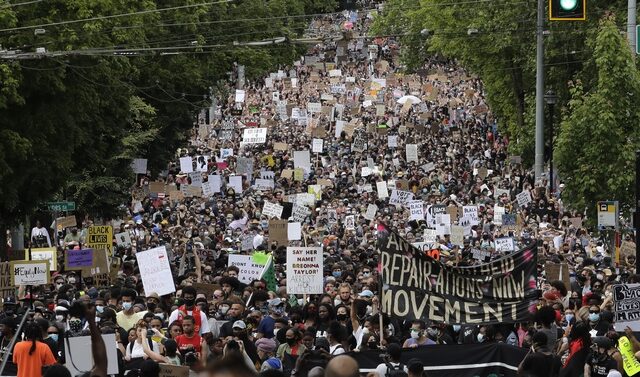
[(524, 198), (416, 208), (78, 259), (29, 272), (155, 271), (47, 253), (626, 306), (169, 370), (504, 245), (249, 270), (272, 210), (254, 135), (100, 237), (399, 197), (304, 270)]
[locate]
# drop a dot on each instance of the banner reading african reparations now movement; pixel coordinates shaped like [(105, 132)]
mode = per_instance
[(417, 286)]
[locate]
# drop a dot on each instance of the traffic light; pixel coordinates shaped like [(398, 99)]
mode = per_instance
[(567, 10)]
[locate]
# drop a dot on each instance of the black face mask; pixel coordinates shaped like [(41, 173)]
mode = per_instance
[(341, 317), (189, 302), (151, 306), (291, 342)]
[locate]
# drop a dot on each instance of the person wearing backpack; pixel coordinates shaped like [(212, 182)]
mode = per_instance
[(393, 367)]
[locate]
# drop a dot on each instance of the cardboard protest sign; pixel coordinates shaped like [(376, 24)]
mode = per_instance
[(7, 289), (170, 370), (305, 267), (280, 146), (47, 253), (154, 270), (100, 264), (278, 231), (249, 269), (78, 259), (156, 187), (66, 222), (100, 237), (557, 271), (409, 274), (29, 272), (457, 235), (626, 306), (272, 210)]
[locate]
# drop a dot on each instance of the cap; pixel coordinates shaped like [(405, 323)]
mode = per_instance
[(366, 293), (275, 302), (60, 308), (239, 325), (153, 295)]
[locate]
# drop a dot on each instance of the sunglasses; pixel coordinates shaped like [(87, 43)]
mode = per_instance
[(594, 311)]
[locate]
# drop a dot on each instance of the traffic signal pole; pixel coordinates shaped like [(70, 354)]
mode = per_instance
[(539, 151)]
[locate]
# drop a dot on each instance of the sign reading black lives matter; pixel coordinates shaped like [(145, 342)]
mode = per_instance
[(626, 306), (419, 287)]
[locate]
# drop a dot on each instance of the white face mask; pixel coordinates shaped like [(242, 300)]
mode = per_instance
[(72, 280), (415, 334), (480, 338), (59, 317), (275, 332)]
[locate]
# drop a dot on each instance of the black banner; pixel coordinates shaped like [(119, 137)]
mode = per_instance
[(417, 286), (460, 360)]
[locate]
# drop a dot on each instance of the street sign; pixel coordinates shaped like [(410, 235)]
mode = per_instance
[(61, 206), (608, 213), (637, 47)]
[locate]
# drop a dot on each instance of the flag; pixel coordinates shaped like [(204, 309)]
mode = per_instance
[(269, 275)]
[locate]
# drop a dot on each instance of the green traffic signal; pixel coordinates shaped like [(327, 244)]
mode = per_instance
[(567, 10), (568, 4)]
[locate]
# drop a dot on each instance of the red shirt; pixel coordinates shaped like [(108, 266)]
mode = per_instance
[(184, 342)]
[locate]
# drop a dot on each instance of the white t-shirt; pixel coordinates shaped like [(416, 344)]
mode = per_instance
[(381, 369), (135, 351), (336, 350)]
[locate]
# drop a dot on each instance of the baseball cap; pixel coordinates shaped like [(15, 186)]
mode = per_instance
[(239, 325)]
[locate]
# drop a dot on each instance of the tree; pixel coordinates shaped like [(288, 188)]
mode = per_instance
[(599, 133)]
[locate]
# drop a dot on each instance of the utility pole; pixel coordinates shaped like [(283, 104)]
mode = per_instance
[(631, 25), (539, 154), (636, 220)]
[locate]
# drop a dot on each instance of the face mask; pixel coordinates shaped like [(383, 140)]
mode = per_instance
[(72, 280), (54, 337), (456, 328), (151, 306), (275, 332), (189, 302), (291, 342), (594, 317), (336, 274), (366, 274), (415, 334), (480, 338), (568, 317), (341, 317), (432, 332), (59, 285), (126, 305), (99, 308), (59, 317), (224, 310), (75, 325)]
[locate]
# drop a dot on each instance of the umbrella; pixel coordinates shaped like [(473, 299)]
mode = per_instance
[(413, 99)]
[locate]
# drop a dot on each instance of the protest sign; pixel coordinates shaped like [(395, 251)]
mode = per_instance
[(278, 231), (302, 159), (416, 208), (392, 141), (524, 198), (630, 362), (29, 272), (505, 245), (215, 183), (412, 152), (7, 289), (457, 235), (47, 253), (557, 271), (305, 270), (433, 211), (100, 264), (78, 259), (400, 197), (317, 146), (419, 287), (350, 222), (249, 269), (100, 237), (472, 213), (254, 135), (272, 210), (170, 370), (66, 222), (299, 213), (157, 187), (80, 349), (139, 165), (235, 182), (294, 231), (186, 164), (155, 271), (372, 209), (482, 255), (626, 306), (264, 184)]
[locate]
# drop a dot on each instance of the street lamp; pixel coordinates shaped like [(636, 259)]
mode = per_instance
[(551, 99)]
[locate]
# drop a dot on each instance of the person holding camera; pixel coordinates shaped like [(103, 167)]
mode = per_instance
[(189, 341), (135, 354)]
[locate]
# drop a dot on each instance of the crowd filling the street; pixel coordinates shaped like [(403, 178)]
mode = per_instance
[(337, 217)]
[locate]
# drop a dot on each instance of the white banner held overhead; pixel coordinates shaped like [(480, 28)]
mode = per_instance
[(254, 136)]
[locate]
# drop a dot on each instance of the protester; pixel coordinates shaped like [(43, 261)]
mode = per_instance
[(32, 354)]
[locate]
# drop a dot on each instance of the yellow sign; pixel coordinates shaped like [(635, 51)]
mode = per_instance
[(100, 237), (630, 363)]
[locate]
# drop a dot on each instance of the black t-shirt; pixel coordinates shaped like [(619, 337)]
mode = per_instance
[(10, 369), (601, 368), (538, 364)]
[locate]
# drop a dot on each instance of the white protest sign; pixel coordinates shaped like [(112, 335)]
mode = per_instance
[(264, 184), (196, 178), (412, 152), (254, 135), (457, 235), (350, 222), (80, 348), (400, 197), (47, 253), (503, 245), (305, 270), (154, 270), (372, 209), (29, 272), (215, 183), (524, 198), (186, 164), (294, 231), (314, 107), (139, 165), (472, 213), (226, 152), (383, 192), (430, 236), (416, 207), (299, 213), (235, 182), (626, 306), (317, 145), (240, 95), (433, 211), (339, 127), (123, 239), (249, 270), (272, 210), (498, 211), (302, 159)]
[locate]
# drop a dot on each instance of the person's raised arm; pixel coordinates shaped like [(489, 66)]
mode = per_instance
[(196, 258), (98, 349), (148, 351), (354, 317)]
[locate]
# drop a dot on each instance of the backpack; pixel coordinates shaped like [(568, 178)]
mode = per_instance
[(397, 371)]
